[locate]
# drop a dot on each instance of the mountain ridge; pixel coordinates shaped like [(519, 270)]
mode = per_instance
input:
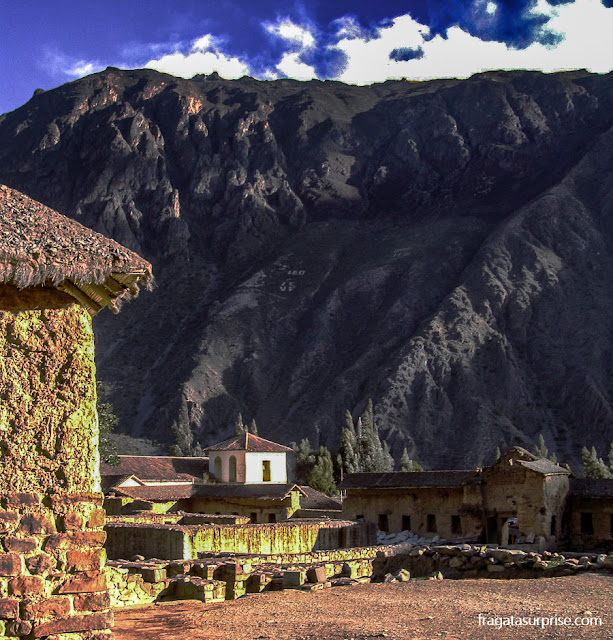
[(442, 247)]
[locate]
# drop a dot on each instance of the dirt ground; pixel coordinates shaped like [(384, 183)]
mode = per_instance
[(417, 610)]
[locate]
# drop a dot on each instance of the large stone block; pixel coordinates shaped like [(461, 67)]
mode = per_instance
[(21, 545), (27, 586), (57, 606), (87, 582), (23, 500), (37, 523), (73, 521), (9, 608), (91, 622), (75, 540), (41, 564), (20, 628), (61, 501), (97, 518), (92, 602), (10, 564), (85, 560), (8, 521)]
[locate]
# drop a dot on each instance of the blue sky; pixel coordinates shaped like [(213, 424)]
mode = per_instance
[(45, 43)]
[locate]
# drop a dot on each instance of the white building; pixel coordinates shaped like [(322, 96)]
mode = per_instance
[(248, 459)]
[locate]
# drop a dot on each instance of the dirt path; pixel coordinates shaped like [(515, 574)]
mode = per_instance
[(419, 610)]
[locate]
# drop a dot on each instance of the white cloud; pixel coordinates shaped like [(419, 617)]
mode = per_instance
[(61, 64), (586, 27), (300, 40), (204, 57), (292, 33)]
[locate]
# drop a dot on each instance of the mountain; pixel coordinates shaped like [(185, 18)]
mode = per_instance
[(444, 248)]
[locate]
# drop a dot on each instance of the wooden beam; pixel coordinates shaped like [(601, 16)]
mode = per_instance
[(70, 288)]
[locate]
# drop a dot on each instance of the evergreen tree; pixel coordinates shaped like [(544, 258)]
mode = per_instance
[(386, 460), (541, 451), (184, 445), (253, 427), (321, 476), (107, 422), (407, 463), (305, 459), (239, 427), (611, 457), (593, 466), (497, 453), (367, 441), (348, 457)]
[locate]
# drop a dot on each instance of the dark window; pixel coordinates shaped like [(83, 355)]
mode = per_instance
[(254, 518), (552, 530), (383, 523), (456, 525), (217, 467), (587, 525), (265, 470), (431, 523), (360, 518), (272, 517), (406, 523), (232, 469)]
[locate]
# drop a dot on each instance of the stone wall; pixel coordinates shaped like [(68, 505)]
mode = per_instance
[(226, 577), (51, 517), (174, 542)]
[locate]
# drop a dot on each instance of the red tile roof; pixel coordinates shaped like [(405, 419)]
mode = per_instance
[(248, 442), (158, 468)]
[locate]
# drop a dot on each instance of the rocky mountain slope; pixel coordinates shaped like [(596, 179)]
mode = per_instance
[(443, 247)]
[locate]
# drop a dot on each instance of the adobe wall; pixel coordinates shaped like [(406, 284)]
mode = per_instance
[(532, 497), (417, 503), (171, 542), (51, 516), (601, 511)]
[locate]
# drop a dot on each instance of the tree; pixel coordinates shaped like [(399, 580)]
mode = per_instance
[(253, 427), (408, 464), (497, 453), (593, 466), (541, 451), (374, 456), (184, 438), (348, 456), (305, 458), (239, 426), (321, 476), (107, 422)]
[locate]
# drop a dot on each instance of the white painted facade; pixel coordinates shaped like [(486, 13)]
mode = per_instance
[(251, 467), (255, 467)]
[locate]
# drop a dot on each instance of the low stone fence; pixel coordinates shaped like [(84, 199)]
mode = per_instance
[(177, 542), (480, 561)]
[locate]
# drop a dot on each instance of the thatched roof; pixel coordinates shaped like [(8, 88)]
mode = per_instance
[(40, 247)]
